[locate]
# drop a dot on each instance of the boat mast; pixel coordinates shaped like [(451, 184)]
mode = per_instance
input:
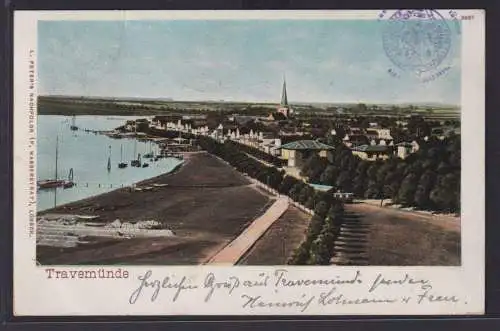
[(135, 148), (121, 153), (57, 154), (109, 159), (57, 157)]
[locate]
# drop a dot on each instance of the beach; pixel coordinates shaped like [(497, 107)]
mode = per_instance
[(205, 202)]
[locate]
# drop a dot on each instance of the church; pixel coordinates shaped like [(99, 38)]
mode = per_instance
[(284, 110)]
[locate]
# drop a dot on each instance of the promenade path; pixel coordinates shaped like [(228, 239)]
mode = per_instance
[(235, 250)]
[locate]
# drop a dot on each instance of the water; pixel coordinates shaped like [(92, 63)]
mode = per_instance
[(87, 154)]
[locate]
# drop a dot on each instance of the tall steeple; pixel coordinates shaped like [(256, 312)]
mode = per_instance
[(284, 99)]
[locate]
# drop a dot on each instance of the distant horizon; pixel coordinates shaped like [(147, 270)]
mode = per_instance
[(291, 102)]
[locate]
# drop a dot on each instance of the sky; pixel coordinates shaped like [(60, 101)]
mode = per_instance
[(333, 61)]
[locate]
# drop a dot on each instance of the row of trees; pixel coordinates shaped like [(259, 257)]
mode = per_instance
[(317, 248), (274, 160), (428, 179)]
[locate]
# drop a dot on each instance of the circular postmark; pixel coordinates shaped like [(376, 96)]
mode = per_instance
[(416, 40)]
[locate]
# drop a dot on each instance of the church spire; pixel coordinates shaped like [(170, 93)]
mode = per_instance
[(284, 99)]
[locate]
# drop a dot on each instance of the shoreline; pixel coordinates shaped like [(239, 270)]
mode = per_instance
[(205, 203), (141, 182)]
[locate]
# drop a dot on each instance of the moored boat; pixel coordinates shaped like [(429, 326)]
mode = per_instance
[(55, 183)]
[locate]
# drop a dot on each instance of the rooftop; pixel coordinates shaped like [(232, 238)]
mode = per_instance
[(307, 144), (323, 188), (370, 148)]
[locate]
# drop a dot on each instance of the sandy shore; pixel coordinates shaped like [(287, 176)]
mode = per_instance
[(206, 203)]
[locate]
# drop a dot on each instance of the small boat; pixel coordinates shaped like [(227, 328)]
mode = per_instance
[(49, 183), (137, 162), (68, 184), (55, 183), (145, 165)]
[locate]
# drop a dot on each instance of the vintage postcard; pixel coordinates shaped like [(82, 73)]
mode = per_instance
[(249, 163)]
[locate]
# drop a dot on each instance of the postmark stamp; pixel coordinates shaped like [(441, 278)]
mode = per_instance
[(417, 42)]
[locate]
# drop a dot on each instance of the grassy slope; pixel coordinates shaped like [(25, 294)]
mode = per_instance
[(396, 240)]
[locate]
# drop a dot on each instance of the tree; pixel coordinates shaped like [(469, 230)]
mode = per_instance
[(329, 176), (406, 193), (295, 191), (300, 255), (446, 193), (314, 167), (334, 140), (361, 107), (344, 181), (425, 185), (306, 192), (321, 209), (373, 190), (318, 254), (359, 185), (286, 184)]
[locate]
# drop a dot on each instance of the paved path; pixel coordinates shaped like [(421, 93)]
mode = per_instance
[(235, 250)]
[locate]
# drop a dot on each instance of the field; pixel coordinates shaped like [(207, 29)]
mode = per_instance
[(58, 105), (405, 239), (278, 243)]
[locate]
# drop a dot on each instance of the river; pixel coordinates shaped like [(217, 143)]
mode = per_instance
[(87, 154)]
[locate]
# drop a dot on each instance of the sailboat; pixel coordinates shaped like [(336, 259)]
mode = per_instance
[(54, 183), (150, 155), (122, 164), (136, 162), (109, 159), (73, 126)]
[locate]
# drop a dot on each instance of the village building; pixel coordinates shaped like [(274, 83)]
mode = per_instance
[(372, 152), (347, 197), (344, 196), (355, 140), (297, 152), (142, 124), (383, 133), (371, 134), (354, 131), (404, 149)]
